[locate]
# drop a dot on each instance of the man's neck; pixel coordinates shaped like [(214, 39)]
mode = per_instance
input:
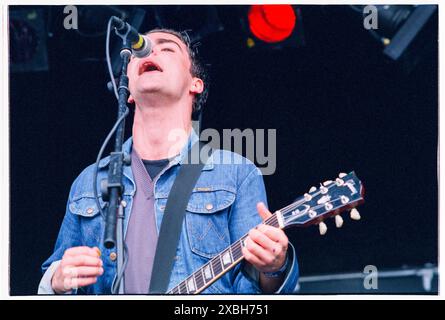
[(161, 132)]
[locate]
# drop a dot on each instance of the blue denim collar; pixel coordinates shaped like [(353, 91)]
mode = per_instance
[(179, 159)]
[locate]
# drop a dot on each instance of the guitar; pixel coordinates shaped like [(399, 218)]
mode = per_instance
[(330, 199)]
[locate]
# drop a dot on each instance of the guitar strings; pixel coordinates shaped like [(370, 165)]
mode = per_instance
[(304, 200), (298, 203), (315, 208)]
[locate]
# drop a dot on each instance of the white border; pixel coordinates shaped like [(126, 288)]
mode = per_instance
[(4, 164)]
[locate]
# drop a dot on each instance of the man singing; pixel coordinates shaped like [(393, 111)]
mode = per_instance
[(227, 202)]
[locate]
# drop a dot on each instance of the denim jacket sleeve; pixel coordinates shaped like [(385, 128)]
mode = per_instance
[(69, 236), (243, 217)]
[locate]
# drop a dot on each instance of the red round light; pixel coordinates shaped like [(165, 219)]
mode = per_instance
[(271, 23)]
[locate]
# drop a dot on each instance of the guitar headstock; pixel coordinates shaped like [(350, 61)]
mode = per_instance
[(330, 199)]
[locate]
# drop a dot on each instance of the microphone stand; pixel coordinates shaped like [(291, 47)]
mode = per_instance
[(112, 187)]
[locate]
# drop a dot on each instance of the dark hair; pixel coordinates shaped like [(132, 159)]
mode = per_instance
[(197, 68)]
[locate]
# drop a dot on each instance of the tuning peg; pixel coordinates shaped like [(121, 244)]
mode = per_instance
[(322, 228), (338, 221), (312, 189), (355, 215), (327, 182), (323, 190), (341, 175)]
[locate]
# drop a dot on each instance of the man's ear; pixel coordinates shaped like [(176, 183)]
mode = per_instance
[(197, 86), (130, 99)]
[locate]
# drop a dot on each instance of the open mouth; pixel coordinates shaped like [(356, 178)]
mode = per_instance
[(149, 66)]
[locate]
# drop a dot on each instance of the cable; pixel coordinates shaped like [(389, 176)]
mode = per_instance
[(99, 156), (116, 283), (107, 53), (110, 134)]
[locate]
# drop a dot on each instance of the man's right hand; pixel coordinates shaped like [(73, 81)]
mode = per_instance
[(80, 266)]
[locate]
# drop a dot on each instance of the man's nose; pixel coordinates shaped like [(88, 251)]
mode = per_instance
[(155, 49)]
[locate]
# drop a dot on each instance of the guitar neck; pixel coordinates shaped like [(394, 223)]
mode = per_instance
[(331, 198), (217, 266)]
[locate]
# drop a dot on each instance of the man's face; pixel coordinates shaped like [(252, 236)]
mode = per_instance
[(165, 72)]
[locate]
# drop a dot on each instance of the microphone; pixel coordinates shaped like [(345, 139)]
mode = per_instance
[(140, 46)]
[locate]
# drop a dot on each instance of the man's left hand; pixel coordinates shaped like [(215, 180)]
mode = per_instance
[(266, 246)]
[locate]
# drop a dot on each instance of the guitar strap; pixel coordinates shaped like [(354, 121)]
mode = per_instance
[(174, 213)]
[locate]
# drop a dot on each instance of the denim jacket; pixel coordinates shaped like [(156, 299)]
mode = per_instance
[(221, 209)]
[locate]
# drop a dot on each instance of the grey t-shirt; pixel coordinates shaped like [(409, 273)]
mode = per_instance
[(141, 237)]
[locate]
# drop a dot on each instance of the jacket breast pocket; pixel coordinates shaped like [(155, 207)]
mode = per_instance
[(90, 219), (207, 221)]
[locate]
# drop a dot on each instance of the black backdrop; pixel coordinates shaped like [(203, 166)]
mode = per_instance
[(336, 103)]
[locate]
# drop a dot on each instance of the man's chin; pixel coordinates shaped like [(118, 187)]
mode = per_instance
[(147, 90), (145, 94)]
